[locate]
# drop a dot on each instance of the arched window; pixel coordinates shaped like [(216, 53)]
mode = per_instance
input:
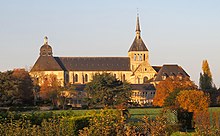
[(123, 78), (144, 57), (145, 79), (86, 78), (140, 57), (135, 57), (76, 78)]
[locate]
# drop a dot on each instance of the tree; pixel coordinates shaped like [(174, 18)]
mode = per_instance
[(166, 87), (50, 88), (105, 90), (193, 101), (15, 88), (25, 85), (205, 81), (66, 92)]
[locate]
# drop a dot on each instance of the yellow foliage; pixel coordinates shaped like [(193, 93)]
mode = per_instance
[(193, 101), (164, 88)]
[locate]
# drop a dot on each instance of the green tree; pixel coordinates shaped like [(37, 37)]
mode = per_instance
[(66, 92), (107, 91), (16, 88), (25, 85), (205, 81)]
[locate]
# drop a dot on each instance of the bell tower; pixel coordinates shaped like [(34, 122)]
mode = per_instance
[(46, 49), (138, 52)]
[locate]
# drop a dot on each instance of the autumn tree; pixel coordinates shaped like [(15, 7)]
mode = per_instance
[(193, 101), (205, 81), (107, 91), (50, 88), (169, 85)]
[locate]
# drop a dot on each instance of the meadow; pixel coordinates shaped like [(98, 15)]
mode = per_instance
[(69, 122)]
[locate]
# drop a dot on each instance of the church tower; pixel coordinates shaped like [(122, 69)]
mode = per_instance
[(142, 71), (46, 49), (138, 52)]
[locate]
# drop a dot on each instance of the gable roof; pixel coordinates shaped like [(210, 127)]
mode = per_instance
[(138, 45), (170, 70), (94, 63), (157, 68), (143, 87), (46, 63)]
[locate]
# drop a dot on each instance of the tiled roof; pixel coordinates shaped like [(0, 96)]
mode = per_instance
[(170, 70), (157, 68), (46, 63), (138, 45), (142, 87), (94, 63)]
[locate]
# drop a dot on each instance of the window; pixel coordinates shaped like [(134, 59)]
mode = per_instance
[(140, 57), (144, 57), (76, 78), (83, 79), (123, 78), (86, 78), (145, 79), (134, 57)]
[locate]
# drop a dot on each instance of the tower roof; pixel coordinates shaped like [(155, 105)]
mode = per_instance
[(46, 49), (138, 44)]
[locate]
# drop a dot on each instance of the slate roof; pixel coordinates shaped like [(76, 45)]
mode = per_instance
[(170, 70), (157, 68), (94, 63), (138, 45), (46, 63), (143, 87)]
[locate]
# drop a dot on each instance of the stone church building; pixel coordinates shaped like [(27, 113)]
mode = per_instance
[(135, 68)]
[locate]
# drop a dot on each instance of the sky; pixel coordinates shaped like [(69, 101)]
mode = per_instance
[(183, 32)]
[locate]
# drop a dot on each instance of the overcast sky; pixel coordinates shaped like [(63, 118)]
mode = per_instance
[(182, 32)]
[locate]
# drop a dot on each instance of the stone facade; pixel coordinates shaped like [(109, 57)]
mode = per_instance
[(134, 69)]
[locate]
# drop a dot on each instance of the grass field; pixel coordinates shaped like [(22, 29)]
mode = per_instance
[(135, 112)]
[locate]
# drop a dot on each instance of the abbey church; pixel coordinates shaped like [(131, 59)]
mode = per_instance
[(135, 68)]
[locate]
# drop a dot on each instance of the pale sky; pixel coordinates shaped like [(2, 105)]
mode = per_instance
[(182, 32)]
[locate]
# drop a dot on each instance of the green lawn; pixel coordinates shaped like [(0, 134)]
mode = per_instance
[(135, 112)]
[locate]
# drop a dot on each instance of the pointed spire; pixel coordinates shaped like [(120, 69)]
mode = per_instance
[(138, 30)]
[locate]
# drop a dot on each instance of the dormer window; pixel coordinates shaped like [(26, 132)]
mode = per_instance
[(180, 76), (164, 76), (172, 75)]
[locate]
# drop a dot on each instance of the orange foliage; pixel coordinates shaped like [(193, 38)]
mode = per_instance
[(164, 88), (20, 73), (49, 87), (193, 101)]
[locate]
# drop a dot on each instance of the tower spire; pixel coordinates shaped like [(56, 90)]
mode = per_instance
[(138, 30)]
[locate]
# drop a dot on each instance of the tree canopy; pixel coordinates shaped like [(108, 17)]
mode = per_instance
[(169, 85), (205, 81), (15, 88), (50, 88), (193, 100), (107, 91)]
